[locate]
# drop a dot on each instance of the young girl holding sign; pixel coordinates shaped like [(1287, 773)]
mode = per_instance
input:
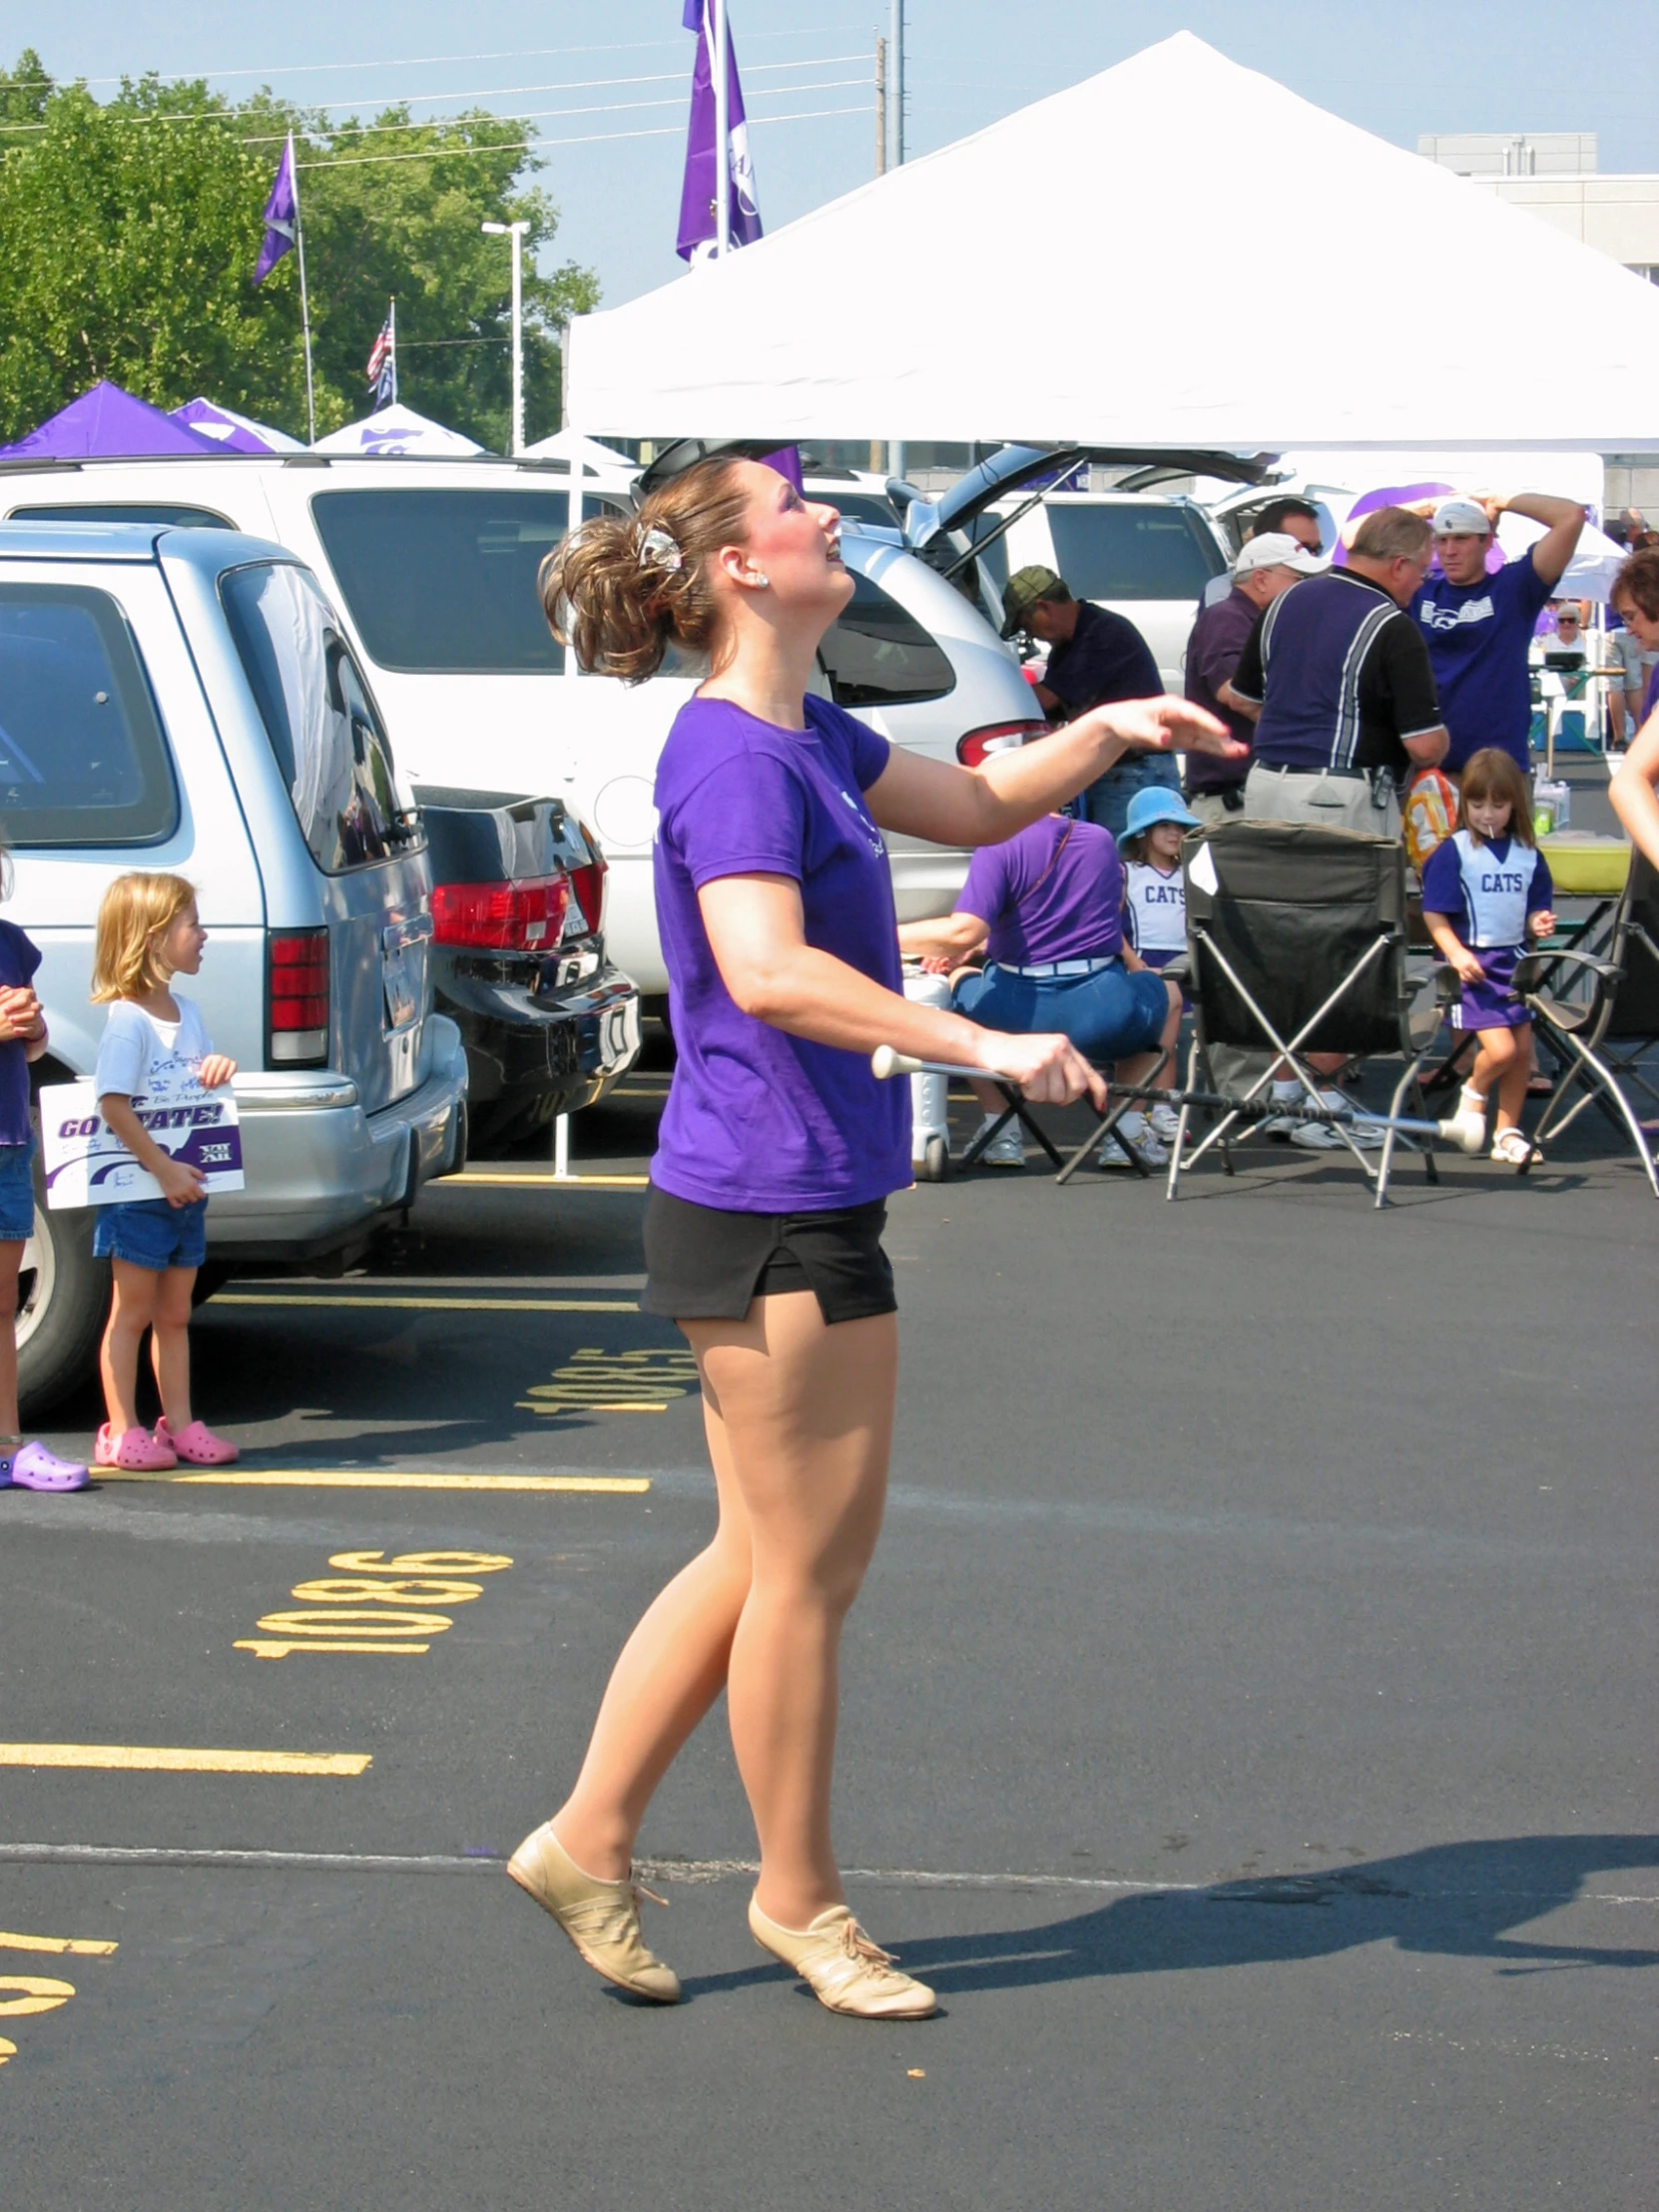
[(148, 933)]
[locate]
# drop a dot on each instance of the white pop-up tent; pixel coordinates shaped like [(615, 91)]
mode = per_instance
[(1366, 297), (579, 453), (397, 429)]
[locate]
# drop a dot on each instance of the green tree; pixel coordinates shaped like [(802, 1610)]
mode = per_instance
[(129, 233)]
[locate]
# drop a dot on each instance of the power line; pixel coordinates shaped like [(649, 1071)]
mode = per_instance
[(431, 61), (539, 145), (536, 115), (492, 92)]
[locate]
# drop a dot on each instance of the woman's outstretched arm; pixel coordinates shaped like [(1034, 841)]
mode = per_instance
[(758, 938), (923, 798), (1635, 800)]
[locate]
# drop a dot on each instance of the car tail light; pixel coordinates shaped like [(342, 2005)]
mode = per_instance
[(588, 884), (996, 737), (297, 1026), (525, 914)]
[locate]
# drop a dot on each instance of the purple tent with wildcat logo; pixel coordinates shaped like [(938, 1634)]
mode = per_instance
[(109, 422)]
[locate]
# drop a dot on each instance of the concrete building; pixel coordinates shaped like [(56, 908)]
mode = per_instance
[(1553, 176)]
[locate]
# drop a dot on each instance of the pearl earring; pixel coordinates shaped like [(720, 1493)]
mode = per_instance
[(762, 582)]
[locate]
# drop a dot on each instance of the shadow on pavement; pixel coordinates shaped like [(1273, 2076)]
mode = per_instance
[(1451, 1899), (1455, 1901)]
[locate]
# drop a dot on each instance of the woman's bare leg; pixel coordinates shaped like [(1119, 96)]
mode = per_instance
[(800, 1425), (807, 1411), (672, 1669)]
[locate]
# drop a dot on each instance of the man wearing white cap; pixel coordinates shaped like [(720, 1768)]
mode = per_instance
[(1479, 626), (1269, 565)]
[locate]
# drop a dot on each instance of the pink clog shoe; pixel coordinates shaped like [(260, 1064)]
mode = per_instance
[(135, 1449), (197, 1446)]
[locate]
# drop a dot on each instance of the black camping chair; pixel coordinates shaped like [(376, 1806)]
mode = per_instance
[(1601, 1036), (1297, 941)]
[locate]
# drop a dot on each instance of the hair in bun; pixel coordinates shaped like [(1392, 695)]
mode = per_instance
[(621, 588)]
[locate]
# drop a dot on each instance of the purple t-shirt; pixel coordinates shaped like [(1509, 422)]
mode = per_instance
[(18, 962), (1070, 910), (757, 1122)]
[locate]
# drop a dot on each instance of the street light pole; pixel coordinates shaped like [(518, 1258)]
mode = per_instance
[(516, 232), (722, 132)]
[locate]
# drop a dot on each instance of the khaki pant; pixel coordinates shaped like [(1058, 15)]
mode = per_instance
[(1332, 802), (1209, 807)]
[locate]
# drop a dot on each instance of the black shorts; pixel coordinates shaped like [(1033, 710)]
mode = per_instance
[(702, 1263)]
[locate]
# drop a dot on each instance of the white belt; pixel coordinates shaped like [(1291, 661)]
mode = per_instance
[(1060, 967)]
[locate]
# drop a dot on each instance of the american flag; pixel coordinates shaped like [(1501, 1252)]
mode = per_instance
[(383, 364)]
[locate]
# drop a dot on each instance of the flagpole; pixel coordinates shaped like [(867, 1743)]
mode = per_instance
[(391, 319), (723, 131), (305, 299)]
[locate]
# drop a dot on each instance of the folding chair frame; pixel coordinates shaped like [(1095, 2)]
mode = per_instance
[(1578, 1053), (1288, 1049)]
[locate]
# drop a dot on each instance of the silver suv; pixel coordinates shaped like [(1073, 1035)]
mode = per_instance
[(184, 700)]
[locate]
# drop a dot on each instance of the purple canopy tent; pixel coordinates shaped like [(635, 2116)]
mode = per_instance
[(230, 432), (107, 421)]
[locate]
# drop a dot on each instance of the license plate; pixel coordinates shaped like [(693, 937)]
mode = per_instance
[(401, 987)]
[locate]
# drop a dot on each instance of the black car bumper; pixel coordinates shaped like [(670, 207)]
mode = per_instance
[(533, 1044)]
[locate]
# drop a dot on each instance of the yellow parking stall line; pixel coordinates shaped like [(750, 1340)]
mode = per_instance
[(478, 1177), (154, 1758), (81, 1947), (392, 1479), (416, 1304)]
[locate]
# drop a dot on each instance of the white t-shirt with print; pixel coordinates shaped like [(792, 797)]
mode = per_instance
[(136, 1047)]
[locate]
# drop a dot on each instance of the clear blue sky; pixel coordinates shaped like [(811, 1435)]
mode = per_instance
[(1396, 67)]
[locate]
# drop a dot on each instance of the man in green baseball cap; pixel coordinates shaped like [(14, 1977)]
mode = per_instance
[(1095, 658)]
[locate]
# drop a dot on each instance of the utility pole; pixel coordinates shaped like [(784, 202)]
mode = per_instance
[(895, 54), (721, 60), (895, 99), (881, 104), (877, 446)]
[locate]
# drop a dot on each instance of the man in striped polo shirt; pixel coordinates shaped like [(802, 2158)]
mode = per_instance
[(1340, 677)]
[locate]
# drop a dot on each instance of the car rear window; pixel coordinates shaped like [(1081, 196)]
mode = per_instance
[(1132, 552), (177, 518), (445, 581), (316, 712), (876, 655), (82, 757)]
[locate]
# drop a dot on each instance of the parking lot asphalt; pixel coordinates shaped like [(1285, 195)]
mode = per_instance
[(1248, 1724)]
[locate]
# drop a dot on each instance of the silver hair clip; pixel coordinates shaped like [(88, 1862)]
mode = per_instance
[(657, 549)]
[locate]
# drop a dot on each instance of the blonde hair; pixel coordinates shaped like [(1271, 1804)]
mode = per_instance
[(135, 912), (621, 588)]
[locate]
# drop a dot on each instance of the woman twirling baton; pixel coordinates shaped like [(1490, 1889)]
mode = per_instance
[(776, 1150)]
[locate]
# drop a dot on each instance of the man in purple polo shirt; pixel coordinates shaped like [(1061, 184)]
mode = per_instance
[(1270, 564), (1479, 626)]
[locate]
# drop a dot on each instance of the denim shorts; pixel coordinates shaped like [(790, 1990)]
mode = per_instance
[(17, 1192), (1108, 1015), (149, 1233)]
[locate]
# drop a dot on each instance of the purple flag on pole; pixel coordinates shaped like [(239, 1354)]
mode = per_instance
[(281, 217), (697, 197)]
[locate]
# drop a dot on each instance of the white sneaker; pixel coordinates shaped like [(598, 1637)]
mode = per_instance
[(1007, 1150), (1137, 1133), (1281, 1126), (1112, 1153), (1319, 1136), (1166, 1123)]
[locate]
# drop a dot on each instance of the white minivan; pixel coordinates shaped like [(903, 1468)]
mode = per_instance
[(433, 565)]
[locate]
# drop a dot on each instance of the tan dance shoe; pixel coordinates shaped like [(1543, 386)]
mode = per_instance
[(602, 1919), (844, 1970)]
